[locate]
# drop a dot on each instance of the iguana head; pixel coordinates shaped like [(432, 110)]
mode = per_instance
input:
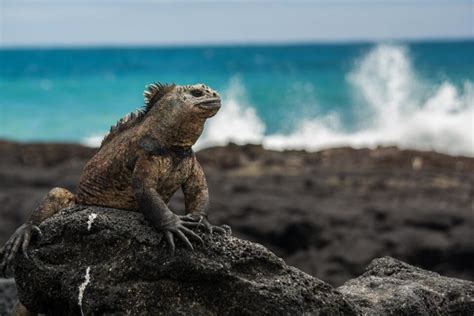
[(193, 100), (177, 113)]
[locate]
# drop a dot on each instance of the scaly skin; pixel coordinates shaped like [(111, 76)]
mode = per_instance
[(140, 165)]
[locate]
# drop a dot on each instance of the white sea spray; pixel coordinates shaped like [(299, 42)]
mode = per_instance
[(399, 109), (236, 122)]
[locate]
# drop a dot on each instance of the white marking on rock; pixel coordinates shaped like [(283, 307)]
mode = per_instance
[(92, 217), (417, 163), (82, 288)]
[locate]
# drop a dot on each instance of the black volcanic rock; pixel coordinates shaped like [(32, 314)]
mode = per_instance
[(392, 287), (105, 261), (100, 261)]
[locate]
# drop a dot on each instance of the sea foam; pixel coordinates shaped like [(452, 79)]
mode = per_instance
[(396, 108)]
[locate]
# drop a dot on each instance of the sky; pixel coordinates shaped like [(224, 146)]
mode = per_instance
[(187, 22)]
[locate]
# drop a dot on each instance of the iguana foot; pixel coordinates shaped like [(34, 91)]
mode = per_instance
[(193, 221), (20, 238), (174, 226)]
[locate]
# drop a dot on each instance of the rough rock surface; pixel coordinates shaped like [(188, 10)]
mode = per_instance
[(328, 213), (110, 262), (392, 287), (113, 263), (7, 296)]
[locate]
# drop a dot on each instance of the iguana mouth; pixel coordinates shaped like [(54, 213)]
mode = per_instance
[(209, 104)]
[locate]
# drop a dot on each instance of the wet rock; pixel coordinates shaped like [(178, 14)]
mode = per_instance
[(113, 263), (392, 287)]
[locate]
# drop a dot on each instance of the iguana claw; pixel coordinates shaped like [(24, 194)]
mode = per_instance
[(193, 221), (177, 228), (21, 238)]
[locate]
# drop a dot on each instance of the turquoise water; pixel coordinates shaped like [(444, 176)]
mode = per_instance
[(416, 95)]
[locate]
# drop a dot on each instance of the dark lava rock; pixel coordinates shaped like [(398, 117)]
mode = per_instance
[(8, 296), (392, 287), (106, 261)]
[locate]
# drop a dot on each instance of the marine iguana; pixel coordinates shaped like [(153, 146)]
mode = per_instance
[(141, 163)]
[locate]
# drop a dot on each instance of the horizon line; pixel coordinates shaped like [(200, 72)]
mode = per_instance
[(251, 43)]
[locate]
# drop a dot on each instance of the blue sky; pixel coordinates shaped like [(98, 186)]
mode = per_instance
[(160, 22)]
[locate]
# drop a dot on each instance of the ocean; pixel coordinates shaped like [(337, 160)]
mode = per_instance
[(310, 96)]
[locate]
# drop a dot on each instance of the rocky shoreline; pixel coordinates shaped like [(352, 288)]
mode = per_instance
[(328, 213)]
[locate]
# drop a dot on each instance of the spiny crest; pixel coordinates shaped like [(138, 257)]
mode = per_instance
[(155, 92), (124, 123), (152, 93)]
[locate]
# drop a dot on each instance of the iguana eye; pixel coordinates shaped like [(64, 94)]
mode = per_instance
[(196, 93)]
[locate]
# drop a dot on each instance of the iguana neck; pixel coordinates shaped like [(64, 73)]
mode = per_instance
[(168, 133)]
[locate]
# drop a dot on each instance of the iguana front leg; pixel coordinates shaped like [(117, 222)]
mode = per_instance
[(196, 199), (148, 173)]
